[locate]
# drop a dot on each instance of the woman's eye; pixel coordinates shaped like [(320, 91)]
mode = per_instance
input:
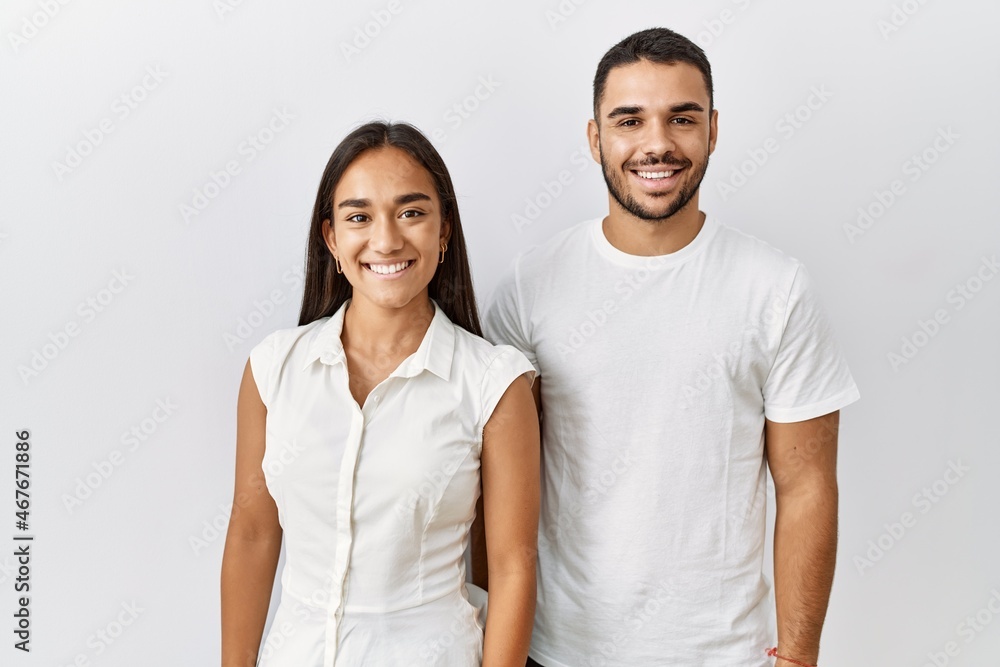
[(412, 213), (357, 217)]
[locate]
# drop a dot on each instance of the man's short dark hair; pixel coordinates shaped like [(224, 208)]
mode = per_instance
[(658, 45)]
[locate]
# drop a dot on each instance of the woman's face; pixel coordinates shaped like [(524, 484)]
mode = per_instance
[(386, 229)]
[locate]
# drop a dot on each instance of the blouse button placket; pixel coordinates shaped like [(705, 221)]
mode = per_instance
[(345, 533)]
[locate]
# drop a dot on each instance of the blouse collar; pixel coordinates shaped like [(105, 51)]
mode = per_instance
[(434, 354)]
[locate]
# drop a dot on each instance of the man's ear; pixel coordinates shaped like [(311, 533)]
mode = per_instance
[(330, 237), (594, 139), (713, 131)]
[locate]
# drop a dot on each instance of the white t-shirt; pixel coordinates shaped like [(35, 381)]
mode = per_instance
[(657, 374), (376, 501)]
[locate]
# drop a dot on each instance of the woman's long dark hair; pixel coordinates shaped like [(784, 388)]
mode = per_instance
[(326, 290)]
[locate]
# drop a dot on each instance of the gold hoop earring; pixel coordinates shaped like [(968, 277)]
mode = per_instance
[(337, 260), (444, 247)]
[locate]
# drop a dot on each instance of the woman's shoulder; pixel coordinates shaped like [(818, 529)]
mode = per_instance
[(488, 369), (475, 347), (283, 340), (478, 354)]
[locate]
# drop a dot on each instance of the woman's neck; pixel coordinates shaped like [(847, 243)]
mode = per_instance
[(373, 331)]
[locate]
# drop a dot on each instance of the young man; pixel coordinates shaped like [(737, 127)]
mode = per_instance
[(676, 357)]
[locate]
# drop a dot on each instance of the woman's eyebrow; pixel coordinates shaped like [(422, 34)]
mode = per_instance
[(412, 197), (354, 203)]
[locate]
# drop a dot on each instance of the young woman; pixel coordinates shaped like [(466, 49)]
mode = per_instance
[(363, 436)]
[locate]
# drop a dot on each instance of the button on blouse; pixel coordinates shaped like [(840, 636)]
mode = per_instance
[(376, 501)]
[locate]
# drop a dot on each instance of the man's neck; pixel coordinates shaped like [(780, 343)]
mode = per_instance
[(645, 238)]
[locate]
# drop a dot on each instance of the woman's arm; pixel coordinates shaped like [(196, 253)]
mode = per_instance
[(253, 541), (480, 572), (510, 470)]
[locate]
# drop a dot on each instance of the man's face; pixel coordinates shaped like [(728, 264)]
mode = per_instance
[(654, 137)]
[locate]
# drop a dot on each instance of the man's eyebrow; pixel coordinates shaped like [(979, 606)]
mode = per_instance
[(680, 107), (354, 203), (686, 106), (624, 111), (412, 197)]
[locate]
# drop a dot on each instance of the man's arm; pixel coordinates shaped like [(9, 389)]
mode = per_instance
[(802, 457)]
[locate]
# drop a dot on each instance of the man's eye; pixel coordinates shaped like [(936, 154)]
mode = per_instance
[(629, 122), (683, 121)]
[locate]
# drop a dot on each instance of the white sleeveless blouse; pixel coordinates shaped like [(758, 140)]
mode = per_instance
[(376, 501)]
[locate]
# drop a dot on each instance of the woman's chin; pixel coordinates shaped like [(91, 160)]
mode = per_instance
[(389, 298)]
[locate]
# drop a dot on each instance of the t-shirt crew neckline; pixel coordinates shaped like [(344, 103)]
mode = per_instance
[(675, 258)]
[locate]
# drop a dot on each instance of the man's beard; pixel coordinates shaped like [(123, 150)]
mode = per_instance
[(616, 187)]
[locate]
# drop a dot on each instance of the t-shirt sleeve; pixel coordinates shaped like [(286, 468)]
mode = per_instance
[(508, 364), (261, 363), (504, 320), (809, 377)]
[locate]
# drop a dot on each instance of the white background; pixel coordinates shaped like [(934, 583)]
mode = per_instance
[(901, 593)]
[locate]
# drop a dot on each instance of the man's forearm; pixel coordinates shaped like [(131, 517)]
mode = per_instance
[(805, 553)]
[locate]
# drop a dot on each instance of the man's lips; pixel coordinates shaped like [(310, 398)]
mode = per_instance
[(660, 177)]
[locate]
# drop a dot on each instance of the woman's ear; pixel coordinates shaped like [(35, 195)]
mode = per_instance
[(330, 237), (445, 231)]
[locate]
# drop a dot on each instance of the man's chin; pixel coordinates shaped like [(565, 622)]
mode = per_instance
[(662, 210)]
